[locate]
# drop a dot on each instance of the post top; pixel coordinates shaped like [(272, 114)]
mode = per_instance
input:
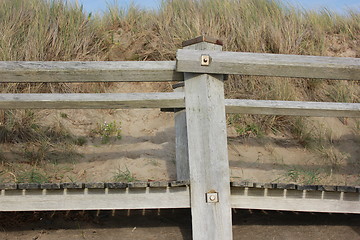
[(202, 39)]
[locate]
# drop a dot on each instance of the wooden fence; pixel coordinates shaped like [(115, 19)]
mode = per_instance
[(201, 140)]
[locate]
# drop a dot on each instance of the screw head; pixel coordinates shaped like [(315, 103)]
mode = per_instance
[(212, 197), (205, 60)]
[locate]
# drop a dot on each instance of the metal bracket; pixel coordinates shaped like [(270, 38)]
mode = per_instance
[(212, 197), (205, 60)]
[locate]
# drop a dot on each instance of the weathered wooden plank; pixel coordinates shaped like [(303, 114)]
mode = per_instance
[(307, 187), (305, 198), (294, 200), (50, 186), (124, 71), (116, 185), (294, 108), (138, 184), (50, 199), (98, 185), (181, 142), (180, 183), (7, 186), (269, 64), (327, 188), (72, 185), (91, 101), (29, 186), (346, 189), (93, 199), (157, 184), (288, 186), (158, 100), (208, 157)]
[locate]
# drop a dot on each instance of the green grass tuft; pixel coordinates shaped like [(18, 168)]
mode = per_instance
[(123, 176)]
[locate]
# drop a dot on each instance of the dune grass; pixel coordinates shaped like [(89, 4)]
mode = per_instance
[(37, 30), (50, 30)]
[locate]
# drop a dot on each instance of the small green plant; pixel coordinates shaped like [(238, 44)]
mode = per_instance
[(36, 153), (305, 133), (108, 130), (20, 126), (31, 176), (303, 176), (250, 130), (72, 179), (2, 176), (123, 176), (343, 91), (80, 141), (63, 115), (333, 157), (154, 163), (234, 119)]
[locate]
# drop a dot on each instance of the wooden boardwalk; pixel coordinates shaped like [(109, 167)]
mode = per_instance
[(175, 194)]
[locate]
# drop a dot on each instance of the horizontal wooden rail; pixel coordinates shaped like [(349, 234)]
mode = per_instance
[(269, 64), (94, 199), (122, 71), (295, 200), (92, 101), (293, 108), (156, 195), (173, 100)]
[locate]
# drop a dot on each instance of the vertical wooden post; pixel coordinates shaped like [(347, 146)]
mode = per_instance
[(181, 141), (207, 146)]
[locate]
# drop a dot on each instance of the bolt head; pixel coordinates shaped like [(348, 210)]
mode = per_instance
[(212, 197), (205, 60)]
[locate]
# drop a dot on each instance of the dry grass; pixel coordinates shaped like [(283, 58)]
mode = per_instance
[(37, 30), (248, 26)]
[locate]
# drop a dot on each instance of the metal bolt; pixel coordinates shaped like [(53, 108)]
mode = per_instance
[(205, 60), (212, 197)]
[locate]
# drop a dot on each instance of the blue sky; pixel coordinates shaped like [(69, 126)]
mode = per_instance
[(336, 5)]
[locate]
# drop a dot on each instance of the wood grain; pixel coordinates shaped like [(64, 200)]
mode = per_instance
[(121, 71), (293, 108), (295, 200), (208, 157), (174, 100), (181, 142), (91, 101), (174, 197), (94, 199), (269, 64)]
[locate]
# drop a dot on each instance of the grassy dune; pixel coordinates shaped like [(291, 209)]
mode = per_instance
[(248, 26), (56, 30), (37, 30)]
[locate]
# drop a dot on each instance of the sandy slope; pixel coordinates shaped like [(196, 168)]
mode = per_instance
[(147, 149)]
